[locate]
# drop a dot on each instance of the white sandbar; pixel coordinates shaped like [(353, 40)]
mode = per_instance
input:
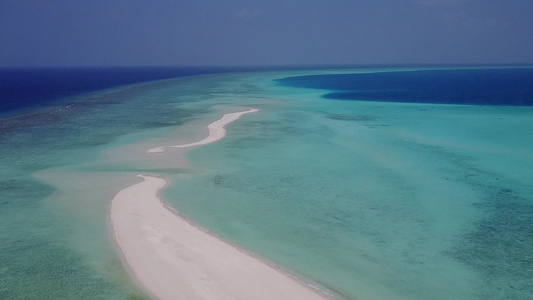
[(216, 129), (173, 259)]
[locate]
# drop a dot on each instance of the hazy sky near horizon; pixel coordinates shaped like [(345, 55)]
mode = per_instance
[(261, 32)]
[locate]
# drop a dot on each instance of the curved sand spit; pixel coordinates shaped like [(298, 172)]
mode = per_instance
[(216, 131), (173, 259)]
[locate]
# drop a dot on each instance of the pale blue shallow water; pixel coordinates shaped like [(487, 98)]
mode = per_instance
[(368, 200)]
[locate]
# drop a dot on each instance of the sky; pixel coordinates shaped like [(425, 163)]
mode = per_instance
[(264, 32)]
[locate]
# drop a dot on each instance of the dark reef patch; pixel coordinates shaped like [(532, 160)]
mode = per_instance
[(501, 245), (348, 117)]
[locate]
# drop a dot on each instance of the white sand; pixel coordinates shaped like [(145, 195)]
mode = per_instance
[(173, 259), (216, 129)]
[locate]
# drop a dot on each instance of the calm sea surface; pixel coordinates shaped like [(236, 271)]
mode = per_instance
[(370, 183)]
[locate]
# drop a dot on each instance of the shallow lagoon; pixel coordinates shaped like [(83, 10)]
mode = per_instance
[(371, 200)]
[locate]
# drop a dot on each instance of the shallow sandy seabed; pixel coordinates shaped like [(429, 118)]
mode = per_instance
[(173, 259)]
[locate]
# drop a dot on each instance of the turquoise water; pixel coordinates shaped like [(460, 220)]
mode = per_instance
[(369, 200)]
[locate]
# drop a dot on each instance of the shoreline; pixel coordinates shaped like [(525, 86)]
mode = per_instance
[(170, 257)]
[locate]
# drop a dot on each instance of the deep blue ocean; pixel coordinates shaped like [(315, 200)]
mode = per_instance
[(40, 87), (499, 86)]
